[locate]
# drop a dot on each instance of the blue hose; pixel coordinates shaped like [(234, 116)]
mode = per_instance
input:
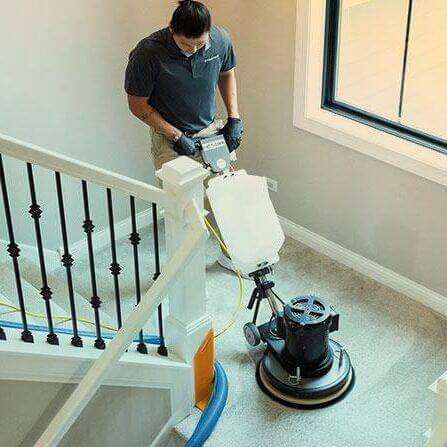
[(149, 339), (213, 410)]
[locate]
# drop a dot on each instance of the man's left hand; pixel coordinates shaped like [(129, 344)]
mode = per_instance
[(232, 132)]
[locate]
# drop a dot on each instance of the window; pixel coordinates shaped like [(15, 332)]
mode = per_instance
[(385, 65)]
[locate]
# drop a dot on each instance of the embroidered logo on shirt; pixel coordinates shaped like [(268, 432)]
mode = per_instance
[(212, 58)]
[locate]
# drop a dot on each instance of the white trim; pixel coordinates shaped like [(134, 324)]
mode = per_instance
[(427, 435), (101, 238), (437, 435), (309, 115), (369, 268), (165, 433), (52, 259), (440, 386), (41, 362)]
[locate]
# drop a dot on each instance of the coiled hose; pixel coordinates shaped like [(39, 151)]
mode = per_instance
[(214, 408)]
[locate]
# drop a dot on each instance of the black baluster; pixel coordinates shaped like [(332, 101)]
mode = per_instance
[(14, 252), (162, 350), (67, 262), (45, 291), (135, 241), (115, 268), (94, 301)]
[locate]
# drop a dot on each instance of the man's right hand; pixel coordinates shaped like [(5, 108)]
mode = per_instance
[(185, 146)]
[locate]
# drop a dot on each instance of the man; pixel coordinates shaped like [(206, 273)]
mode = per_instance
[(171, 82)]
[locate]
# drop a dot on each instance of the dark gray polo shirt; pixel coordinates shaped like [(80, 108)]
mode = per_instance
[(181, 88)]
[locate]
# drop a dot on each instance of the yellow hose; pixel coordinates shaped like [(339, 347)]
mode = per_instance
[(241, 287), (109, 328), (58, 317)]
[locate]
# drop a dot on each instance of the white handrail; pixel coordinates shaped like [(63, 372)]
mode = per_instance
[(88, 386), (57, 162)]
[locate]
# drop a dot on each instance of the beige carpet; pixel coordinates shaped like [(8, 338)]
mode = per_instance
[(398, 349)]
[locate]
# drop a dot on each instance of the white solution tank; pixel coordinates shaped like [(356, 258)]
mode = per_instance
[(247, 219)]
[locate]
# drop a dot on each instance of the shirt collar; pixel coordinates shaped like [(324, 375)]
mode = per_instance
[(205, 48), (177, 51)]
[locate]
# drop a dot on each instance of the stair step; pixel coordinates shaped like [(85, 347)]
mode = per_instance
[(184, 429), (8, 314), (33, 301), (30, 271)]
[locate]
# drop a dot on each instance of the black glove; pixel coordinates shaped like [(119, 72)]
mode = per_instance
[(185, 146), (232, 132)]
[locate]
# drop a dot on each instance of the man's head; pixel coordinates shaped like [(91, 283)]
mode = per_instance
[(190, 25)]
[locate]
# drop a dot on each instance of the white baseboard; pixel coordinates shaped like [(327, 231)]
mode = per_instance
[(52, 259), (101, 238), (369, 268), (41, 362)]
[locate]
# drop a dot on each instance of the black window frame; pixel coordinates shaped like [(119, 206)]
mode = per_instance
[(329, 102)]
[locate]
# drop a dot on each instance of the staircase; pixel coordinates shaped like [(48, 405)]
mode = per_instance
[(126, 311), (35, 304)]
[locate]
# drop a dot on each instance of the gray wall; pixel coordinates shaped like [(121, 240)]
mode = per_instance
[(61, 87), (378, 211), (115, 417)]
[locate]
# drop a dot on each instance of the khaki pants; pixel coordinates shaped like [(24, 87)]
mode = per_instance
[(162, 151)]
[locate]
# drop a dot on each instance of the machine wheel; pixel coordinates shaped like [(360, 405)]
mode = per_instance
[(252, 334)]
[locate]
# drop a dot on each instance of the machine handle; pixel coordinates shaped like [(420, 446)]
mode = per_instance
[(253, 298)]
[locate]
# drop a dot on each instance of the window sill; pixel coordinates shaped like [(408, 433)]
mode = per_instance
[(309, 116)]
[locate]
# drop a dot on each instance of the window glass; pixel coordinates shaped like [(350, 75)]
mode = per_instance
[(370, 57), (425, 95), (386, 66)]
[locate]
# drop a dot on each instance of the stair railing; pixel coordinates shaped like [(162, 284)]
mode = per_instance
[(181, 281), (86, 389), (33, 156)]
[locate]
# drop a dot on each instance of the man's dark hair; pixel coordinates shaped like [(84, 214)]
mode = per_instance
[(191, 19)]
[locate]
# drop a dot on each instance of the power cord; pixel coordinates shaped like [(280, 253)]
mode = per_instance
[(241, 287), (58, 317), (110, 328)]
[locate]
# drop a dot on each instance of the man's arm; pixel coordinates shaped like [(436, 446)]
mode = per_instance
[(141, 109), (228, 91)]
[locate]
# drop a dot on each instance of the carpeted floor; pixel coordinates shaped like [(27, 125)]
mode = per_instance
[(127, 285), (398, 349)]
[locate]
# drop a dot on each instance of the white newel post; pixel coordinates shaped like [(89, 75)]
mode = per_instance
[(437, 436), (188, 322)]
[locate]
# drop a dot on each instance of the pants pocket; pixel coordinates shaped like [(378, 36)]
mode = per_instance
[(156, 142)]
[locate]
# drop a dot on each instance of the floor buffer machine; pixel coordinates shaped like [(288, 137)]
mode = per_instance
[(302, 366)]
